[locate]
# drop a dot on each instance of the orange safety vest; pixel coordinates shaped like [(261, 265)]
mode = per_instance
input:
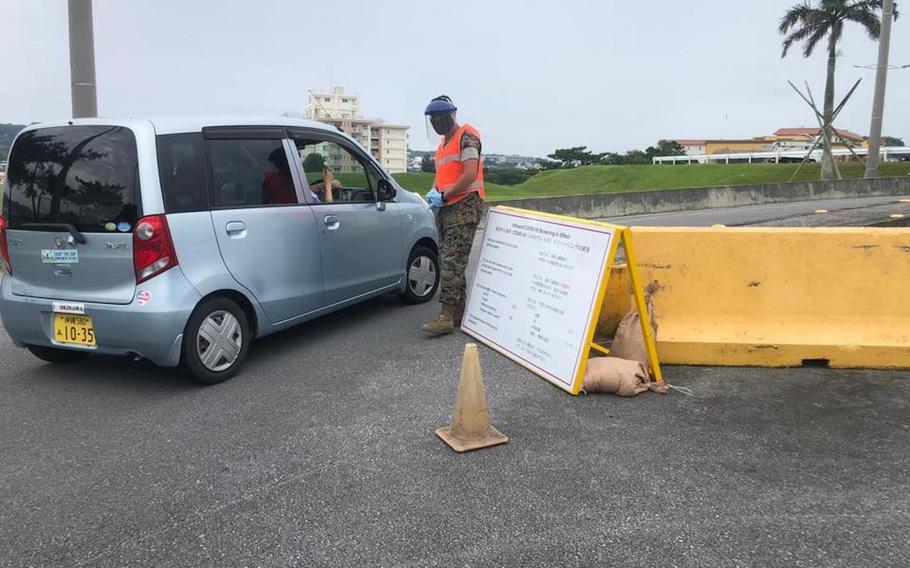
[(449, 167)]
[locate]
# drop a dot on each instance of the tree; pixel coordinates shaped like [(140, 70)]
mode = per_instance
[(427, 164), (892, 141), (811, 23), (575, 156), (506, 175), (666, 148), (636, 157), (548, 164), (611, 159), (7, 133), (639, 157), (314, 162)]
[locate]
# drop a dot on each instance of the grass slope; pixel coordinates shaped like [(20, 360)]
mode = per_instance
[(609, 179), (421, 182)]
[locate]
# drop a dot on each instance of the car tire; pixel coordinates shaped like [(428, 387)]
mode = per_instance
[(421, 276), (55, 355), (216, 341)]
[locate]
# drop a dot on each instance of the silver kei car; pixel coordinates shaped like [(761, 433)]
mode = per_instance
[(180, 240)]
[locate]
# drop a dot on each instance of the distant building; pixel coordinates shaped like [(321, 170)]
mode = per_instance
[(734, 146), (804, 138), (386, 142), (785, 145), (701, 147), (511, 160), (389, 145), (334, 105), (693, 147), (783, 139)]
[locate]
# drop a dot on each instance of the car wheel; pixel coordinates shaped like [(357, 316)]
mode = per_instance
[(216, 341), (55, 355), (422, 276)]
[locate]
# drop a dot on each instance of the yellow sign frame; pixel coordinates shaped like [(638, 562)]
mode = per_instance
[(622, 234)]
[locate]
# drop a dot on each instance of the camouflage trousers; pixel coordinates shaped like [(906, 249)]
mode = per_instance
[(456, 224)]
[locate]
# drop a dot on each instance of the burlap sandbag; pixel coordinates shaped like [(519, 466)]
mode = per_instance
[(615, 376), (629, 342)]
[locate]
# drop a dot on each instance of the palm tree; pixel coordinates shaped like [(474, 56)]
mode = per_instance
[(811, 24)]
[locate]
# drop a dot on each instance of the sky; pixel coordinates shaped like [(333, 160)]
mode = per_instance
[(531, 75)]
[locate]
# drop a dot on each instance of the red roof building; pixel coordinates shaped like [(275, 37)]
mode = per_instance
[(812, 133)]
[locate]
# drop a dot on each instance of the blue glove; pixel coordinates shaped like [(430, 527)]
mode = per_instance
[(434, 198)]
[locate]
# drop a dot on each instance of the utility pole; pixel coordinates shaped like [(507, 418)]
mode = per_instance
[(82, 59), (878, 102)]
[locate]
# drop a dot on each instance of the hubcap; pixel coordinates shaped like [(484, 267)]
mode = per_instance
[(422, 276), (219, 341)]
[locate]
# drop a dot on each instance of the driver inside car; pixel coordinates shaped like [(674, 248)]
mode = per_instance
[(318, 186)]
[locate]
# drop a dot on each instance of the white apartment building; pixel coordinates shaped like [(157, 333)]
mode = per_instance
[(334, 105), (387, 143)]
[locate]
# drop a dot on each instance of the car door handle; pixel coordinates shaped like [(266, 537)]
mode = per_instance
[(332, 222), (236, 229)]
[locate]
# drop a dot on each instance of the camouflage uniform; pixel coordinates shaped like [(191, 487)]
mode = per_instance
[(456, 224)]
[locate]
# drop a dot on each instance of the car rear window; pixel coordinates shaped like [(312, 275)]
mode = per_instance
[(86, 176), (182, 172)]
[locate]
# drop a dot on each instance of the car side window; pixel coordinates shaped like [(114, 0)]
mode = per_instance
[(182, 173), (250, 173), (373, 175), (329, 164)]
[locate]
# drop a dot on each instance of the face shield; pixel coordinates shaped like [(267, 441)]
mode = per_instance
[(439, 123)]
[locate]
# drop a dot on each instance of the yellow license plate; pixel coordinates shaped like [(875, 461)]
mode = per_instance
[(75, 330)]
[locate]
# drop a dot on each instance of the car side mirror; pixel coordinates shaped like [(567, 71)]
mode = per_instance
[(385, 190)]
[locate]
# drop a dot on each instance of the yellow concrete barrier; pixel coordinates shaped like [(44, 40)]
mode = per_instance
[(773, 296)]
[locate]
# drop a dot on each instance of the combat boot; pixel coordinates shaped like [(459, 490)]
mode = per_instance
[(442, 324)]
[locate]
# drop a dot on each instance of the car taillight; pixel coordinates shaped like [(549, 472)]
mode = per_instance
[(153, 249), (4, 247)]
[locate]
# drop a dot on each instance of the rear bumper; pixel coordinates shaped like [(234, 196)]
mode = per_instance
[(153, 330)]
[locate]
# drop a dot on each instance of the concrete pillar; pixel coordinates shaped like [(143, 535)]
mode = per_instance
[(82, 59)]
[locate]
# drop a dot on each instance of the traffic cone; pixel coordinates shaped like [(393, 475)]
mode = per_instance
[(471, 428)]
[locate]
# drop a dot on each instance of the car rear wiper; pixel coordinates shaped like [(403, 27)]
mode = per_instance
[(71, 229)]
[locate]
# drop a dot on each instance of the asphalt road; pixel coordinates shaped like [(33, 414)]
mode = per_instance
[(322, 453), (839, 212)]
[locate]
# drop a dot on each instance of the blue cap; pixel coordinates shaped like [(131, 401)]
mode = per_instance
[(440, 105)]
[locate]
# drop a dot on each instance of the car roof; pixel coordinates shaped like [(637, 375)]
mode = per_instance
[(181, 124), (185, 124), (189, 124)]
